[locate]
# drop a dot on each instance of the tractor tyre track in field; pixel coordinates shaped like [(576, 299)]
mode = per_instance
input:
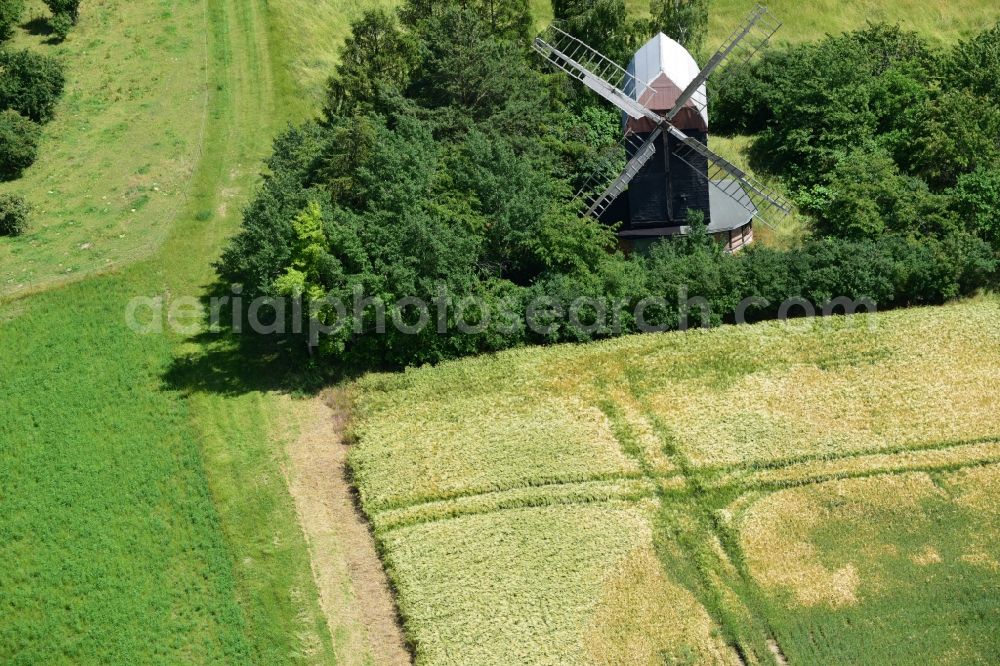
[(341, 545), (720, 480)]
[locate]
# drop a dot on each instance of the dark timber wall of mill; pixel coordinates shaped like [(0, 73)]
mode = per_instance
[(666, 188)]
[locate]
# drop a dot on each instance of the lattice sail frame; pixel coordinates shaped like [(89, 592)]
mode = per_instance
[(749, 38), (615, 84), (755, 197), (609, 181)]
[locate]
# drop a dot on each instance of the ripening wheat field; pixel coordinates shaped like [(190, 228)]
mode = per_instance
[(825, 490)]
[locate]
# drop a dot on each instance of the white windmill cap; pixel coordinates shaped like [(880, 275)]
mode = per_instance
[(668, 68)]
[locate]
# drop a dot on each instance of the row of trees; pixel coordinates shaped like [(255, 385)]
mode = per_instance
[(31, 84), (445, 161)]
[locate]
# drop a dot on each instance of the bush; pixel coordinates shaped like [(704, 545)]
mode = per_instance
[(61, 24), (31, 84), (68, 8), (19, 139), (868, 196), (975, 64), (14, 213), (977, 200), (893, 271), (813, 103), (951, 134), (10, 16)]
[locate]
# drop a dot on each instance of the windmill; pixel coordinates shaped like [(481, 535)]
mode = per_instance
[(668, 167)]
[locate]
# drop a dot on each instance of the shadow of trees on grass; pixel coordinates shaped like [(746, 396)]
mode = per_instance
[(38, 27), (234, 364), (228, 364), (41, 26)]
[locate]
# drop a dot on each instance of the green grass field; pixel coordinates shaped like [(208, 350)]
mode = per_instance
[(793, 480), (146, 516), (944, 22), (939, 21), (117, 161)]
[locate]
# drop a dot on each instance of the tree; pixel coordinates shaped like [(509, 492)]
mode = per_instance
[(447, 162), (685, 21), (302, 277), (604, 25), (975, 64), (814, 103), (10, 16), (469, 76), (14, 212), (504, 19), (61, 25), (868, 196), (70, 8), (745, 105), (30, 83), (376, 55), (19, 139), (952, 133), (977, 201)]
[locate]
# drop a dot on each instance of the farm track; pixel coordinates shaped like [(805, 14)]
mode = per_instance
[(735, 479), (341, 546)]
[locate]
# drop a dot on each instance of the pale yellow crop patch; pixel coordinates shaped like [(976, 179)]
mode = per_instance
[(916, 377), (926, 556), (510, 587), (643, 617), (432, 450)]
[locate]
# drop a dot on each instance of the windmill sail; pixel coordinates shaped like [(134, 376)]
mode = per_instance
[(745, 41), (750, 193), (599, 193), (594, 70)]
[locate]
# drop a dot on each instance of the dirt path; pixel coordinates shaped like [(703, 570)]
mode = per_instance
[(354, 591)]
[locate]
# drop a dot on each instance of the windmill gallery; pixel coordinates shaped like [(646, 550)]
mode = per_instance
[(669, 171)]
